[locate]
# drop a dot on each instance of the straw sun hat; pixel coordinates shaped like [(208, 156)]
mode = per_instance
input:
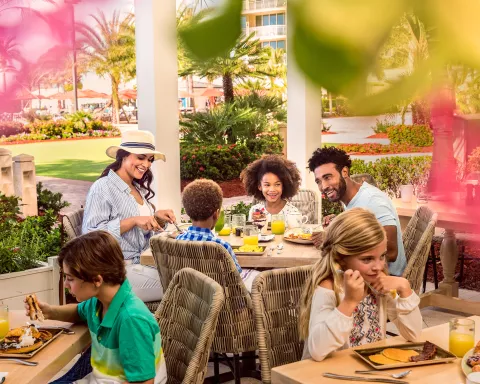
[(137, 142)]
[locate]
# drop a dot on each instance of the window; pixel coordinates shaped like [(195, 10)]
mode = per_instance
[(243, 20), (281, 44), (266, 20), (258, 21), (281, 19), (273, 19)]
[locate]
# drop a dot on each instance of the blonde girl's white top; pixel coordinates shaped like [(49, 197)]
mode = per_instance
[(330, 330), (289, 208)]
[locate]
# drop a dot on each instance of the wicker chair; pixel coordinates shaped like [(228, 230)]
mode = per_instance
[(361, 177), (235, 332), (417, 240), (72, 225), (306, 202), (187, 318), (276, 295)]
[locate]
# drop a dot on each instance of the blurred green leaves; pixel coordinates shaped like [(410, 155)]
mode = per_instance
[(213, 32), (337, 43)]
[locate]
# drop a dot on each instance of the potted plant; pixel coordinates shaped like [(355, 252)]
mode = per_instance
[(28, 249)]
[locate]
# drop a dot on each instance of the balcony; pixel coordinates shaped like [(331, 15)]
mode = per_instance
[(249, 6), (267, 32)]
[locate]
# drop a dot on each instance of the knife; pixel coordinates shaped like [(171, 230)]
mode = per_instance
[(360, 378)]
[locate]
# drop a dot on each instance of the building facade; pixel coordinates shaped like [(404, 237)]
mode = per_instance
[(268, 20)]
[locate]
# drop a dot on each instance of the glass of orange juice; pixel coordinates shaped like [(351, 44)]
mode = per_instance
[(4, 324), (250, 235), (278, 224), (461, 336)]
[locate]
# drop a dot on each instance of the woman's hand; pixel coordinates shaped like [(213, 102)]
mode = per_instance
[(44, 307), (147, 223), (166, 215), (386, 284), (354, 286)]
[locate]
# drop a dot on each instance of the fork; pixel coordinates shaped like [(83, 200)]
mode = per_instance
[(176, 226), (24, 362)]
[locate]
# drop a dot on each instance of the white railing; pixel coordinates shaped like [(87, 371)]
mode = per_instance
[(267, 31), (249, 5)]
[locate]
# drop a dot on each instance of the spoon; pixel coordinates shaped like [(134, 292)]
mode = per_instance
[(394, 375)]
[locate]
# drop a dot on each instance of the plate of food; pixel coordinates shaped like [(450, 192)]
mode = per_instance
[(471, 360), (249, 250), (25, 342), (404, 355), (298, 235)]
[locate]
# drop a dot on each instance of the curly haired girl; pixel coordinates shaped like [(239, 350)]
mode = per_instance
[(273, 180)]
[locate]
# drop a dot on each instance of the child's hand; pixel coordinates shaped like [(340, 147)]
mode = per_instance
[(44, 307), (354, 286), (385, 284)]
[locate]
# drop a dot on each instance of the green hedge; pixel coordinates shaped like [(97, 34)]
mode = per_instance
[(389, 173), (224, 162), (418, 135), (66, 129)]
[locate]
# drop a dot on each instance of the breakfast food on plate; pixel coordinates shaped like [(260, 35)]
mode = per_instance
[(476, 368), (381, 359), (399, 354), (250, 248), (24, 339), (35, 312), (299, 236), (428, 352), (474, 360)]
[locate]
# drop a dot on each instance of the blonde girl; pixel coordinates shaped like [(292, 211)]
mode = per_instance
[(337, 310)]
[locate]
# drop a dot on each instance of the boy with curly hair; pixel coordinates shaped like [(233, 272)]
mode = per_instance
[(272, 180), (202, 200)]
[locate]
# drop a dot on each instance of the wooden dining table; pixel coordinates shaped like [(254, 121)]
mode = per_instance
[(292, 254), (345, 362), (52, 358)]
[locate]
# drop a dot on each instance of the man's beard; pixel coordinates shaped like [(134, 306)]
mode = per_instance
[(340, 192)]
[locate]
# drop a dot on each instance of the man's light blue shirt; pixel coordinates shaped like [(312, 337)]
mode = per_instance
[(376, 201)]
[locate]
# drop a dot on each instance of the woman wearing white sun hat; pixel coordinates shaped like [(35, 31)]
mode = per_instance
[(119, 203)]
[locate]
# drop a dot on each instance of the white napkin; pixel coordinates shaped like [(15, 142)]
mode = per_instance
[(3, 375)]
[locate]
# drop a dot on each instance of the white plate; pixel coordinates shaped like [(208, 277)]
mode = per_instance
[(465, 367), (296, 231), (265, 238)]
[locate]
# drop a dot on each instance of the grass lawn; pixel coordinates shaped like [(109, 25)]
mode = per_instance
[(75, 159)]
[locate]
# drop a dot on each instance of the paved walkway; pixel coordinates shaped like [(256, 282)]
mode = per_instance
[(75, 192)]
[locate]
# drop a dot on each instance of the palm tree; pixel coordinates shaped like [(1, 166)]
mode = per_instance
[(110, 48), (246, 60), (277, 71), (8, 53)]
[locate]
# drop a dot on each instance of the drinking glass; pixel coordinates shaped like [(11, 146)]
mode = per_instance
[(461, 336), (4, 324), (220, 222), (238, 221), (278, 224), (250, 235), (227, 226)]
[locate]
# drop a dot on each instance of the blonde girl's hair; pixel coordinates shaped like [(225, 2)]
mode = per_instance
[(351, 233)]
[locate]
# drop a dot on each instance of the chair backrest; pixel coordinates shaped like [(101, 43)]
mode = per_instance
[(276, 297), (417, 239), (187, 317), (361, 177), (72, 224), (235, 331), (306, 201)]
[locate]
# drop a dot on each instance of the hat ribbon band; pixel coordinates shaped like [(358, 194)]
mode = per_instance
[(134, 144)]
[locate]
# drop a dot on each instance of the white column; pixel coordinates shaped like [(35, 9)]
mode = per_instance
[(304, 118), (155, 30)]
